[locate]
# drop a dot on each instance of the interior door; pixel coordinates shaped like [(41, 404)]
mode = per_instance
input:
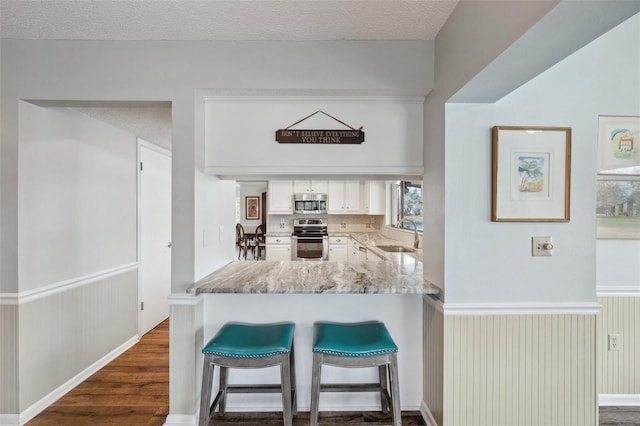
[(155, 236)]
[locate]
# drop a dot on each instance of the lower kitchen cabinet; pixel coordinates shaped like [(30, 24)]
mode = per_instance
[(278, 248), (357, 251), (338, 249), (373, 256)]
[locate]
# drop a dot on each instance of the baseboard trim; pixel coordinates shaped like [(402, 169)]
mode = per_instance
[(181, 420), (61, 390), (426, 415), (612, 399)]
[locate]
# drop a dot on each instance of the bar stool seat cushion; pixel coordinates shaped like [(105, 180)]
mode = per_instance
[(353, 340), (237, 340)]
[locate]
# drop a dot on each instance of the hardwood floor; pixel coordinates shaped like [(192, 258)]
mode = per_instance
[(619, 416), (131, 390), (134, 390)]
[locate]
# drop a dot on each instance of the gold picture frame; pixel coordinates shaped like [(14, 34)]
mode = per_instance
[(531, 174)]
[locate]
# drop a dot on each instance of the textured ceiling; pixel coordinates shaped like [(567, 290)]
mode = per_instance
[(224, 20)]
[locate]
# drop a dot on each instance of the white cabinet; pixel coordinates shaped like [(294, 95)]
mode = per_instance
[(357, 251), (310, 186), (280, 197), (344, 197), (278, 248), (373, 256), (338, 248), (373, 197)]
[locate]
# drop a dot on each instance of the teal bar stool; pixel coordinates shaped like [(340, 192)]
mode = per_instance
[(365, 344), (239, 345)]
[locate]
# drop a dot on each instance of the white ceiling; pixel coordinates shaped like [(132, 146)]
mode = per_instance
[(224, 19)]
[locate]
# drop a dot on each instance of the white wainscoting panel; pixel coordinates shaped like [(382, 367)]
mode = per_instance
[(520, 370), (619, 371), (433, 342), (8, 359), (66, 332)]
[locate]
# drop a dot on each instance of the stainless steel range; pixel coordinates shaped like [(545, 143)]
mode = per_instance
[(310, 239)]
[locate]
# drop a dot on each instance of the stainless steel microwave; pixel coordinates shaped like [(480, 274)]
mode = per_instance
[(309, 203)]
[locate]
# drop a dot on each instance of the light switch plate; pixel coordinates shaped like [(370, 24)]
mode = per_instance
[(541, 246)]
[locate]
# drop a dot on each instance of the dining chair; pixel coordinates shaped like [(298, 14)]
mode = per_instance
[(241, 241), (261, 241)]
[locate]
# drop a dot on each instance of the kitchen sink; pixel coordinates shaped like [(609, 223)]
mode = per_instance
[(396, 249)]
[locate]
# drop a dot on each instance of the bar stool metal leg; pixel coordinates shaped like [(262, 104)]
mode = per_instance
[(294, 390), (224, 372), (285, 377), (205, 393), (395, 391), (315, 387)]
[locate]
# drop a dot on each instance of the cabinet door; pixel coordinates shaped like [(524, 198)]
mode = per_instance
[(338, 253), (356, 251), (301, 186), (373, 197), (278, 252), (319, 186), (335, 202), (373, 256), (310, 186), (352, 196), (279, 197)]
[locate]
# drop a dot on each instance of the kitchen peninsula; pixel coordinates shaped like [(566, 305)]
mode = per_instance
[(390, 290)]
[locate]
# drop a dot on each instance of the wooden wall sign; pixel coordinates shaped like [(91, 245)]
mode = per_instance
[(336, 137), (320, 136)]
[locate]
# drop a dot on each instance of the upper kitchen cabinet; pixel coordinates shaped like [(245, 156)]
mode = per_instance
[(344, 197), (373, 197), (240, 135), (280, 197), (310, 186)]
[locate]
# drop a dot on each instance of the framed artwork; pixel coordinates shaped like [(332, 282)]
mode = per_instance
[(252, 207), (618, 144), (531, 176)]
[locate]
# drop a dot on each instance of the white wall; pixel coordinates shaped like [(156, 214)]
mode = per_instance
[(473, 36), (77, 201), (215, 220), (618, 265), (240, 135), (491, 262)]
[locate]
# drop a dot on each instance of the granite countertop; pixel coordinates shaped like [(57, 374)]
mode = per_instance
[(373, 239), (316, 277)]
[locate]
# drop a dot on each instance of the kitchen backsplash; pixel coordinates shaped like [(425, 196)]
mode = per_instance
[(345, 224), (337, 223)]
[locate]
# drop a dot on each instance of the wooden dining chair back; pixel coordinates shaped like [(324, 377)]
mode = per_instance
[(241, 241), (261, 241)]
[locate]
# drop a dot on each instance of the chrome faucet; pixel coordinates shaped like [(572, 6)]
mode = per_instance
[(416, 240)]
